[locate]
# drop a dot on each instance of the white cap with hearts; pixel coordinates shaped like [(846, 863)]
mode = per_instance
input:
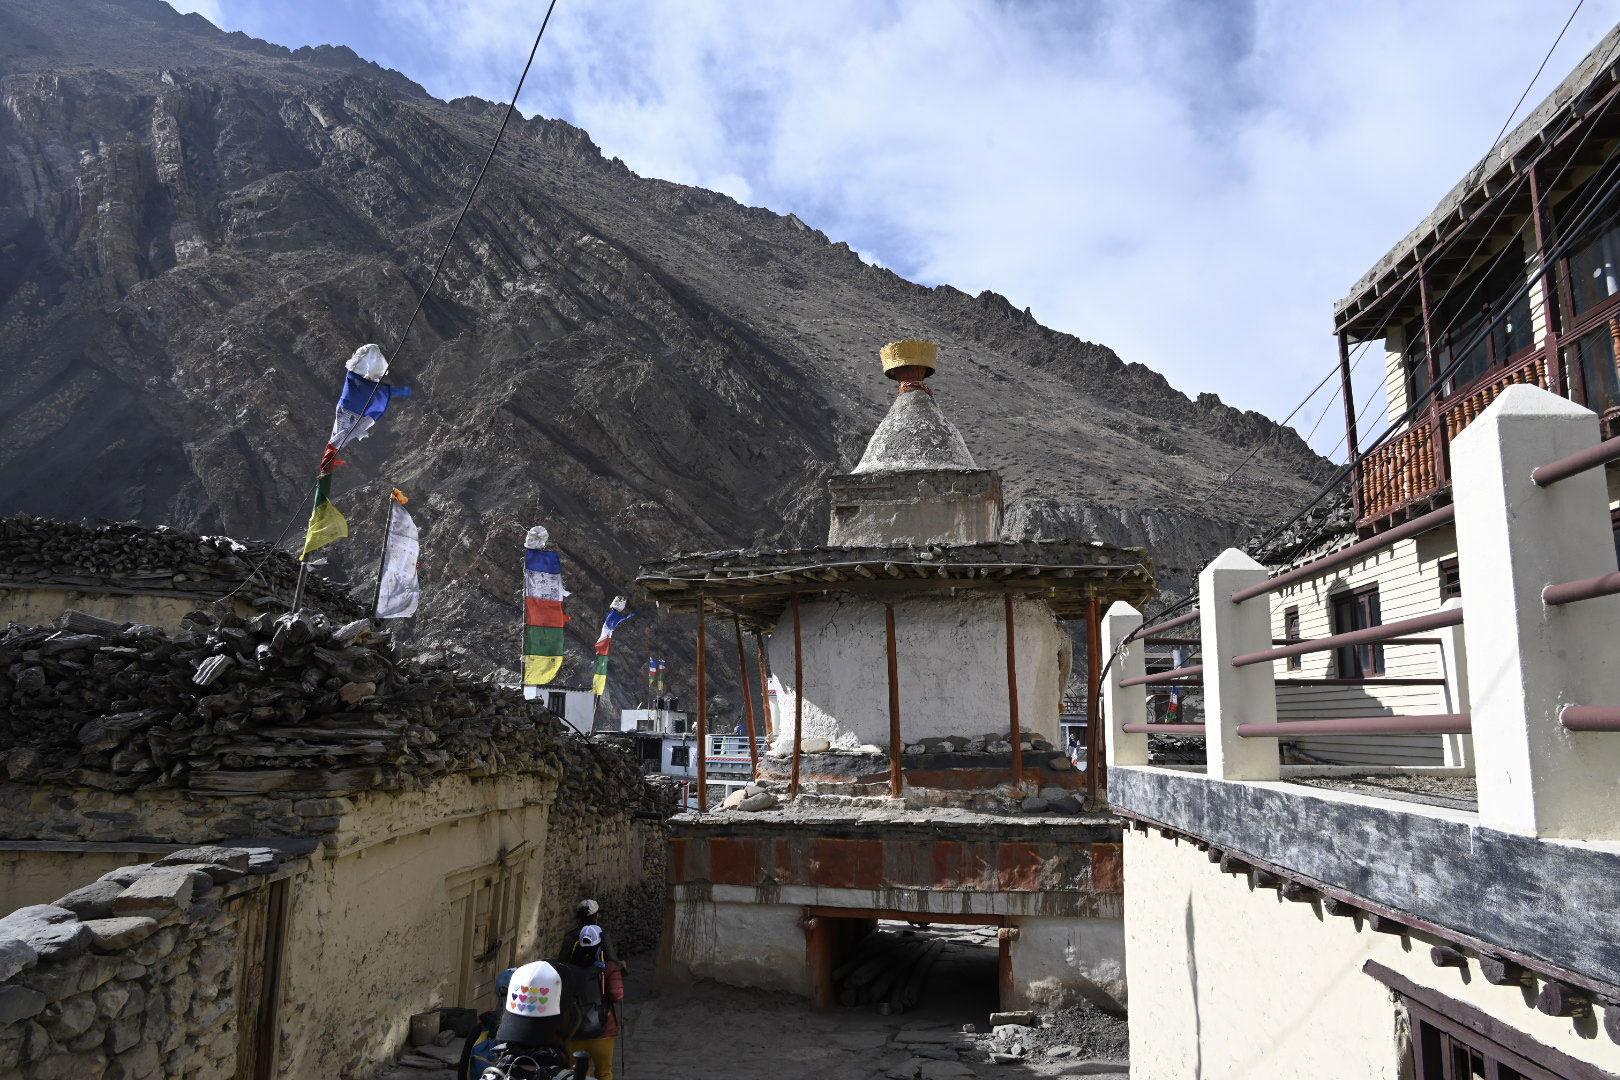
[(535, 990)]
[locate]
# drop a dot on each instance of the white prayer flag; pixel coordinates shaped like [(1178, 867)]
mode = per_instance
[(399, 592)]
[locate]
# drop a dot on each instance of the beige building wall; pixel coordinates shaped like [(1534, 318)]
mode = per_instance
[(1230, 981), (417, 885), (1407, 574), (40, 873)]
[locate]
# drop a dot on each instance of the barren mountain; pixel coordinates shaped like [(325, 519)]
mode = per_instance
[(197, 228)]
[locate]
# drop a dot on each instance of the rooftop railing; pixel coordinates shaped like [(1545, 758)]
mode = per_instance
[(1531, 676)]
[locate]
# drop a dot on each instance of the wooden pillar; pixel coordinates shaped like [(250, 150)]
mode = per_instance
[(897, 746), (748, 699), (1437, 427), (798, 700), (702, 710), (1351, 439), (1012, 693), (764, 689), (1094, 728)]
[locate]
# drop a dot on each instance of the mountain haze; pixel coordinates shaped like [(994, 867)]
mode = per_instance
[(197, 228)]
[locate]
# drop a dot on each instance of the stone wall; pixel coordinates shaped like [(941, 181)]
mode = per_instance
[(134, 975), (128, 563)]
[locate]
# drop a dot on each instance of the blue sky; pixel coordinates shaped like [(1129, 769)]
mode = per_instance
[(1191, 182)]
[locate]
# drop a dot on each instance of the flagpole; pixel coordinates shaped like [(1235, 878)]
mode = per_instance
[(303, 556), (382, 562)]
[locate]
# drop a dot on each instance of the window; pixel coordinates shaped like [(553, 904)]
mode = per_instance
[(1291, 633), (1594, 354), (1450, 579), (1357, 609), (1489, 297), (1594, 265), (680, 757), (557, 702)]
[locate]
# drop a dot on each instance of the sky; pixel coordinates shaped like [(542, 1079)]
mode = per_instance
[(1190, 182)]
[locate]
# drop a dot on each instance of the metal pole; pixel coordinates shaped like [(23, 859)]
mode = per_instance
[(764, 688), (702, 711), (1094, 732), (1012, 694), (896, 746), (748, 699), (298, 590), (798, 700)]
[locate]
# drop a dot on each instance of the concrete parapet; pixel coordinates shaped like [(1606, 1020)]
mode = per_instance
[(1124, 704), (1527, 659), (1234, 695)]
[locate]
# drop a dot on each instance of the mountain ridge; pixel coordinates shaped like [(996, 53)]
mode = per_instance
[(644, 366)]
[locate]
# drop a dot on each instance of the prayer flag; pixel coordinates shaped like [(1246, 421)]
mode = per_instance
[(399, 592), (604, 642), (364, 398), (543, 615), (326, 523)]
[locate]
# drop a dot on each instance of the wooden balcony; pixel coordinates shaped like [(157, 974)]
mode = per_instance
[(1410, 472)]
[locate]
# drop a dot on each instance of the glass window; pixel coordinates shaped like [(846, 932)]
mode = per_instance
[(1357, 609), (1594, 353), (1483, 321), (1594, 266), (680, 757), (1291, 633)]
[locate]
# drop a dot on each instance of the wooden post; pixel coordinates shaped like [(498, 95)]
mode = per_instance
[(1094, 728), (702, 711), (798, 700), (897, 747), (764, 689), (748, 699), (1352, 441), (1012, 694)]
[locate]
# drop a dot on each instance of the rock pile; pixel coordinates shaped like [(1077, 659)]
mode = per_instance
[(131, 976), (43, 551), (268, 703)]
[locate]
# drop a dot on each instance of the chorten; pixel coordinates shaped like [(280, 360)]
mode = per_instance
[(919, 642)]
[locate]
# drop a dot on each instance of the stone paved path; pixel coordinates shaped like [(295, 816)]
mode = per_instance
[(712, 1032)]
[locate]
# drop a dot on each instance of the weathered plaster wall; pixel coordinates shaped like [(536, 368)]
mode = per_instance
[(741, 944), (376, 917), (952, 668), (1062, 962), (38, 605), (1241, 983), (39, 873)]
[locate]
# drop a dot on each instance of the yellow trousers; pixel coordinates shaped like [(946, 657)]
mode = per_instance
[(601, 1051)]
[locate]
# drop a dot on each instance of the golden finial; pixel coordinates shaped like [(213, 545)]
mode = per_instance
[(906, 354)]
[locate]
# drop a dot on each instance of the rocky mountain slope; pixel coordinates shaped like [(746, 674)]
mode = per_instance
[(196, 228)]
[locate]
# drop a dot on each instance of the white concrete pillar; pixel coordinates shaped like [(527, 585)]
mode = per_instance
[(1233, 695), (1124, 704), (1526, 660), (1458, 750)]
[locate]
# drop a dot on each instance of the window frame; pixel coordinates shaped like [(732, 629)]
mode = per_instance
[(1291, 633), (1450, 579), (684, 755), (1357, 661)]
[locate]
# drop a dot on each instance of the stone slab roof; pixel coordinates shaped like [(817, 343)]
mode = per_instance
[(755, 585)]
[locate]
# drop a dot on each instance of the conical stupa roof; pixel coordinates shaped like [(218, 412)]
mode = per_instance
[(915, 436)]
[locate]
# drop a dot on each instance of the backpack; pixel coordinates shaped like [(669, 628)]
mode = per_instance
[(586, 983)]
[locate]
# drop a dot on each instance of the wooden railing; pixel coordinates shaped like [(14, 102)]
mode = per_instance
[(1400, 471), (1405, 469), (1460, 412)]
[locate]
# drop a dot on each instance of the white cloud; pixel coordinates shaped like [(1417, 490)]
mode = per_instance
[(1192, 184)]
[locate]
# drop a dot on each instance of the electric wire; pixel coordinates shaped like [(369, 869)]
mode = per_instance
[(438, 265), (1357, 455)]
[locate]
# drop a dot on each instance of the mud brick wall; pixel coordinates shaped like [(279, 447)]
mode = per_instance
[(132, 976)]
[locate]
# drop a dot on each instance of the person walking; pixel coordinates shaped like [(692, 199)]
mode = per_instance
[(588, 953), (585, 914)]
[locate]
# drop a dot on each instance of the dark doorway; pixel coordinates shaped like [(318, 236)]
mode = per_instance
[(948, 973)]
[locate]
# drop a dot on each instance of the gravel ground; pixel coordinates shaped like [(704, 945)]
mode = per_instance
[(711, 1032)]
